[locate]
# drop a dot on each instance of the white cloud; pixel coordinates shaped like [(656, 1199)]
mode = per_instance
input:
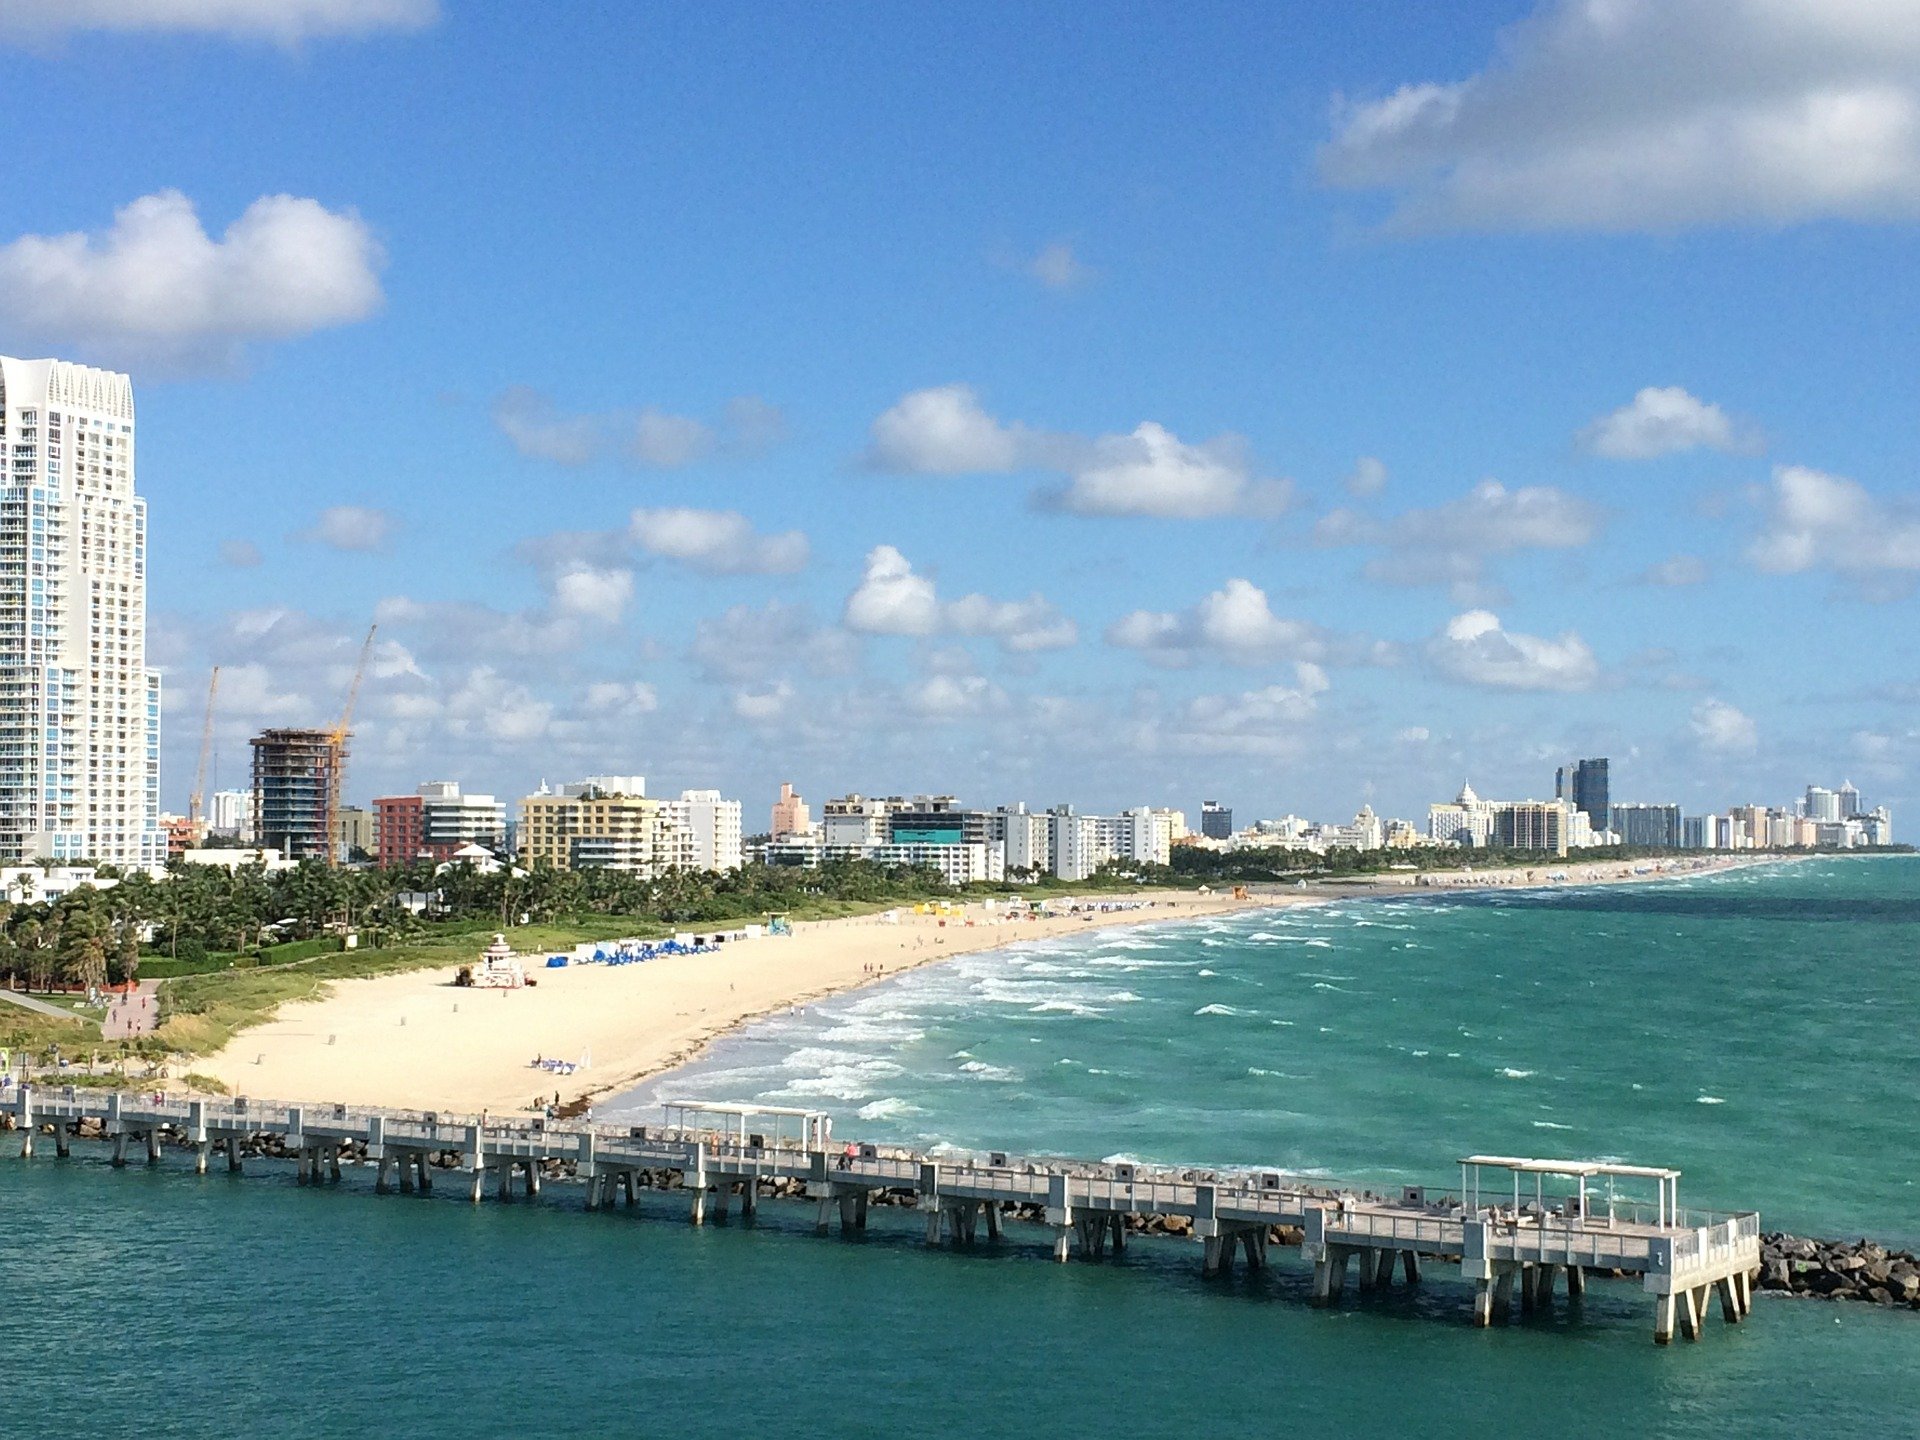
[(1473, 648), (1656, 115), (351, 527), (1058, 268), (660, 441), (251, 693), (891, 598), (1675, 571), (1721, 728), (1450, 544), (1271, 722), (157, 287), (457, 632), (1368, 477), (1023, 626), (752, 643), (485, 703), (623, 697), (592, 592), (894, 599), (283, 22), (648, 438), (1816, 521), (945, 431), (955, 697), (764, 706), (722, 542), (1664, 420), (534, 428), (1272, 705), (1150, 472), (1234, 622), (240, 554)]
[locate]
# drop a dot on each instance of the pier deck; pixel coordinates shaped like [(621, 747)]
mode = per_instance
[(1501, 1242)]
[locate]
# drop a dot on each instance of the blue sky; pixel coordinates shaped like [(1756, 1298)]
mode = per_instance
[(1112, 404)]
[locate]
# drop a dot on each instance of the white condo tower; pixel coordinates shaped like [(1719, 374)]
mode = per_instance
[(79, 710)]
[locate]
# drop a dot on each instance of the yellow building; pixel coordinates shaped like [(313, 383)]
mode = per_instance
[(592, 826), (353, 831)]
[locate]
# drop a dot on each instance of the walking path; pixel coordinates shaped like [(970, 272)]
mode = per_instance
[(39, 1007), (133, 1013)]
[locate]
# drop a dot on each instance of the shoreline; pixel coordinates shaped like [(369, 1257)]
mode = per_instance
[(413, 1039), (362, 1041), (1454, 883)]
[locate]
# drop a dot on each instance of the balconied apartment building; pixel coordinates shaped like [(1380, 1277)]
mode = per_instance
[(79, 709), (967, 845), (293, 785), (436, 822), (609, 822)]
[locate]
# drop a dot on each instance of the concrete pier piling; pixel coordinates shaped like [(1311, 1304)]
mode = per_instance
[(1515, 1236)]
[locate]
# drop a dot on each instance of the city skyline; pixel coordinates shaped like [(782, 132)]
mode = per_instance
[(769, 474)]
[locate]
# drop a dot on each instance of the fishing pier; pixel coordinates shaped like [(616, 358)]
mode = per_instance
[(1517, 1228)]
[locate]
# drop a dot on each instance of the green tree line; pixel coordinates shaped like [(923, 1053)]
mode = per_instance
[(92, 936)]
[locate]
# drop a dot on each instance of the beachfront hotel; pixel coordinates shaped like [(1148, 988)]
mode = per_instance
[(436, 822), (609, 822), (968, 845), (79, 709)]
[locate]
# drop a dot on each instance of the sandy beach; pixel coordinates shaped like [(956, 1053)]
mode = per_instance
[(417, 1040)]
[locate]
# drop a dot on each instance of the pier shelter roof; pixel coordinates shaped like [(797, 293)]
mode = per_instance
[(773, 1123), (1666, 1182)]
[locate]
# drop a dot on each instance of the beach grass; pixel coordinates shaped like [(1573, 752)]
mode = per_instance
[(29, 1032)]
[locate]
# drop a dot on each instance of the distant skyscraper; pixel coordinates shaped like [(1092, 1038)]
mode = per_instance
[(1823, 805), (230, 812), (79, 709), (1531, 825), (1849, 801), (1583, 784), (790, 814), (293, 777), (1647, 824), (1216, 820)]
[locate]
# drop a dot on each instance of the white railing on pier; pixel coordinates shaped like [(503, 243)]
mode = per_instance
[(1631, 1237)]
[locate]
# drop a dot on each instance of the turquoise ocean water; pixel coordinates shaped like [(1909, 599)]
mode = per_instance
[(1759, 1030)]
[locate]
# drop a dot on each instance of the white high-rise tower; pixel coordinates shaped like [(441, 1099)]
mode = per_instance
[(79, 710)]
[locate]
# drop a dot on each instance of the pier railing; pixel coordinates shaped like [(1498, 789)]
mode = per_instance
[(1678, 1252)]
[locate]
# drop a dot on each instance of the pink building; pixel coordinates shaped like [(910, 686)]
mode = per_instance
[(790, 815)]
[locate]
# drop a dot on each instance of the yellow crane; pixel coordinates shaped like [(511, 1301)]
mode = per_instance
[(337, 769), (196, 802)]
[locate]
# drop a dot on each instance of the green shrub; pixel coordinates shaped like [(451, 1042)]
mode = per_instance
[(295, 951)]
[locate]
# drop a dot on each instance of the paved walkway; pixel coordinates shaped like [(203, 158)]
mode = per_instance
[(132, 1014), (39, 1007)]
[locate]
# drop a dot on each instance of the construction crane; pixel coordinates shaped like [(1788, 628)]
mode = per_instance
[(337, 766), (196, 802)]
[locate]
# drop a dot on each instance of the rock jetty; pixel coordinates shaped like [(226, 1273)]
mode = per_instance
[(1839, 1270)]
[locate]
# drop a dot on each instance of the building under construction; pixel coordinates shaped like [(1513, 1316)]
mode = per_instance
[(296, 778)]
